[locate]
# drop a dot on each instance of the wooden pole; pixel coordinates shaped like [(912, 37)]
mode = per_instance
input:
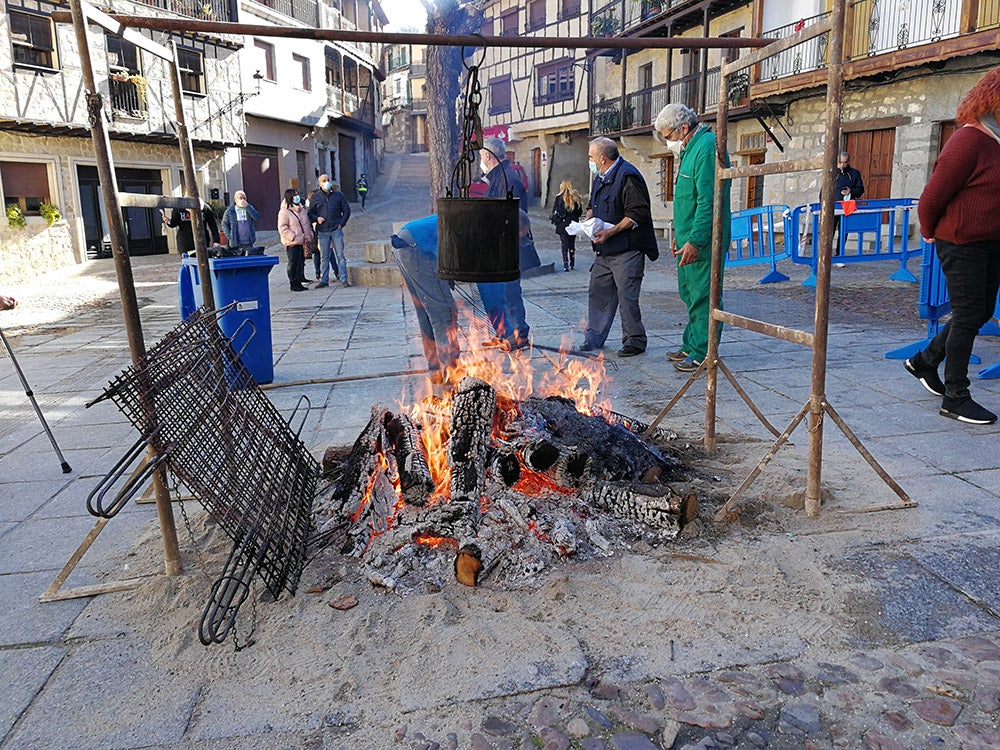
[(821, 320), (191, 181), (123, 267)]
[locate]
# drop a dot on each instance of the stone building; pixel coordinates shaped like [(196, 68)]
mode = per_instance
[(404, 106), (536, 99), (46, 155), (315, 104)]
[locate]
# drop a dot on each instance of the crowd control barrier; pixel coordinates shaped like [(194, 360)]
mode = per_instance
[(753, 237), (934, 305), (885, 224)]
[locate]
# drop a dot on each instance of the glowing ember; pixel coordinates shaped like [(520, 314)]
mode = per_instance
[(436, 542), (533, 483)]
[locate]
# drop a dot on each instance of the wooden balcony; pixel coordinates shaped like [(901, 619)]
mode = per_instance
[(203, 10), (882, 37)]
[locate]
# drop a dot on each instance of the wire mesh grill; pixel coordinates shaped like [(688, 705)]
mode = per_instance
[(198, 406)]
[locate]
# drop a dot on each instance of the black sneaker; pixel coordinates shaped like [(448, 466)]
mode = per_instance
[(964, 409), (927, 375)]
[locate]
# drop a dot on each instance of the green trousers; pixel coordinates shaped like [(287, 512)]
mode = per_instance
[(693, 282)]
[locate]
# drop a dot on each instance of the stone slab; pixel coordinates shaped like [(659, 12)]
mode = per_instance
[(369, 274), (970, 564), (377, 252), (25, 620), (25, 671), (107, 694)]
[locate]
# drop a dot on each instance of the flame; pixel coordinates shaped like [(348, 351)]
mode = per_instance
[(435, 542), (533, 483)]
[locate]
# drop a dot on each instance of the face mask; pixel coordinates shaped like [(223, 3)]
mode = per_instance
[(675, 147), (324, 186), (484, 167), (297, 199), (593, 169)]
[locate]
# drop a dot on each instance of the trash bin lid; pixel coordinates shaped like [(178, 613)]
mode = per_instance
[(249, 261)]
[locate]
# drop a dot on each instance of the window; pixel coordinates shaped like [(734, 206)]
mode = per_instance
[(568, 9), (500, 96), (192, 71), (32, 39), (122, 55), (265, 53), (666, 175), (536, 14), (487, 27), (303, 63), (555, 82), (25, 184), (508, 23)]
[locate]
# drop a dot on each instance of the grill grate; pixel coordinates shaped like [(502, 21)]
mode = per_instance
[(199, 408)]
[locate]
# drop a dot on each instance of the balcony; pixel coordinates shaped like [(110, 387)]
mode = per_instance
[(204, 10), (305, 11), (882, 36), (128, 95), (341, 103)]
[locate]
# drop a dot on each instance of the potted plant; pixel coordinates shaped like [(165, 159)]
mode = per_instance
[(219, 209), (50, 213), (604, 25), (15, 216)]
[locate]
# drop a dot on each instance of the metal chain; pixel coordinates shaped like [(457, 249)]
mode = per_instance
[(472, 133), (202, 565)]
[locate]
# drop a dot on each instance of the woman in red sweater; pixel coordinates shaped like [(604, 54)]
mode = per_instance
[(960, 211)]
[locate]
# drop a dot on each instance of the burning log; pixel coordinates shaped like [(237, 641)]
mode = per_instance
[(473, 407), (415, 483), (654, 505)]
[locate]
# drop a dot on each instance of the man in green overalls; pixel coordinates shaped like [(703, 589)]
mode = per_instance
[(693, 146)]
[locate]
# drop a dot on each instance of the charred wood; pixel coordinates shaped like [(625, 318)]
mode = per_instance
[(656, 506), (415, 481), (472, 412)]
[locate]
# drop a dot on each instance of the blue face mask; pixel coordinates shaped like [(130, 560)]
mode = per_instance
[(593, 168), (297, 199), (324, 186)]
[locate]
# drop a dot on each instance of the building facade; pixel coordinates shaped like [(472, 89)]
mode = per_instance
[(536, 99), (404, 104), (316, 111), (46, 154)]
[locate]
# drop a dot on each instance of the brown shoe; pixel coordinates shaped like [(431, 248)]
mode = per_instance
[(679, 356)]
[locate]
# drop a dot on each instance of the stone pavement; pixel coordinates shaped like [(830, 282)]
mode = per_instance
[(908, 657)]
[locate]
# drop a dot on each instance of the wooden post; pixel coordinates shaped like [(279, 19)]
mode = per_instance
[(123, 267), (191, 182), (821, 323)]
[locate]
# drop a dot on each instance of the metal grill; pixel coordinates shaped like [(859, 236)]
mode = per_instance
[(200, 410)]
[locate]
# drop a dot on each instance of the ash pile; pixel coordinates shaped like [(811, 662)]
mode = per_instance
[(487, 490)]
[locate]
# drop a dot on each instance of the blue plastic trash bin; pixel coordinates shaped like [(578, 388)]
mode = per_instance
[(242, 280)]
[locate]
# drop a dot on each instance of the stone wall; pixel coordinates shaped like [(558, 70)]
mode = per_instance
[(33, 250)]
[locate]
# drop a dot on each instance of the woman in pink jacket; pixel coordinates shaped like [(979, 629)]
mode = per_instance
[(295, 231)]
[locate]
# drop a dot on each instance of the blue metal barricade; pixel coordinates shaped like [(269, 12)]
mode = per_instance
[(883, 224), (753, 240)]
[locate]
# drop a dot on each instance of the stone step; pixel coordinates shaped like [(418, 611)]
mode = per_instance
[(373, 274), (378, 252)]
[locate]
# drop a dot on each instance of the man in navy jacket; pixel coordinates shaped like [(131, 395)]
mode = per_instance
[(330, 211)]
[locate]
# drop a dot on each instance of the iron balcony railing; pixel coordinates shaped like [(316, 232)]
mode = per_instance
[(128, 95), (615, 17), (306, 11), (642, 106), (205, 10), (878, 27)]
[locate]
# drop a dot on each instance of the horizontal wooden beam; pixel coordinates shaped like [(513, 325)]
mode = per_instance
[(775, 167), (143, 200), (441, 40), (768, 329)]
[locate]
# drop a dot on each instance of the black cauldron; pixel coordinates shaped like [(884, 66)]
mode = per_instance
[(478, 239)]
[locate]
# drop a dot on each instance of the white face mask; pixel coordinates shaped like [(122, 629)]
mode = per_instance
[(675, 147), (483, 166), (593, 169)]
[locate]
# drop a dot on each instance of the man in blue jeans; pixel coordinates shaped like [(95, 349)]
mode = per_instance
[(329, 210), (416, 249)]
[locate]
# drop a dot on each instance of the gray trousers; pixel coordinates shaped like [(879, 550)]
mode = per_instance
[(436, 311), (615, 281)]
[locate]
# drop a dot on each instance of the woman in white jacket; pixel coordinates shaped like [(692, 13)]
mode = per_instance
[(295, 231)]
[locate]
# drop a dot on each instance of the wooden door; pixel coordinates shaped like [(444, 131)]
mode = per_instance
[(948, 129), (348, 167), (260, 182), (872, 153), (536, 172), (755, 185)]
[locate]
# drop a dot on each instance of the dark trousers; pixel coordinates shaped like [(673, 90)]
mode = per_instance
[(568, 242), (616, 280), (972, 273), (296, 264)]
